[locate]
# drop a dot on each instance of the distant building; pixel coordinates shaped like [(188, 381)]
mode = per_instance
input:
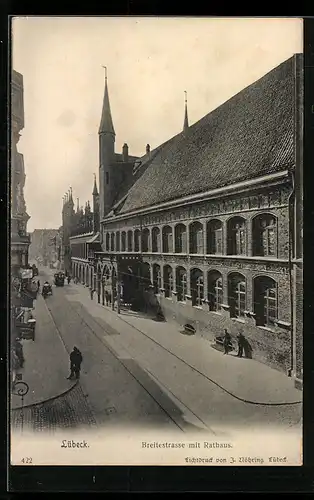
[(43, 248), (19, 217), (80, 237)]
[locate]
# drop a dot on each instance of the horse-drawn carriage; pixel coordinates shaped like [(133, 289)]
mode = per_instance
[(59, 279), (46, 290)]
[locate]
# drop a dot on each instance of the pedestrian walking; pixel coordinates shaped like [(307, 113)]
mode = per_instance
[(76, 359), (247, 349), (69, 279), (241, 343), (38, 286), (15, 365), (92, 293), (227, 342), (19, 352)]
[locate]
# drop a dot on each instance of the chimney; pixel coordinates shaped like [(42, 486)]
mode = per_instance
[(147, 149), (125, 152)]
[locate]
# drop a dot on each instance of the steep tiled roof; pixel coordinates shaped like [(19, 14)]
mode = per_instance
[(250, 135)]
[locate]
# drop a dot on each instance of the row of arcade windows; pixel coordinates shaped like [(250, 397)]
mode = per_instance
[(264, 292), (264, 238)]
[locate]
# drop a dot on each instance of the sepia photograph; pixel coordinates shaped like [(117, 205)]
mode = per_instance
[(156, 247)]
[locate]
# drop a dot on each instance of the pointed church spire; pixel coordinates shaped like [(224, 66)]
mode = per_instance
[(95, 190), (186, 120), (106, 123)]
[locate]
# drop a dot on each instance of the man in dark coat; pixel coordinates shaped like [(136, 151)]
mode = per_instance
[(76, 359), (241, 344), (227, 342), (19, 352)]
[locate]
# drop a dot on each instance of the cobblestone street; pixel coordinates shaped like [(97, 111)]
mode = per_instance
[(110, 391), (130, 379), (68, 411)]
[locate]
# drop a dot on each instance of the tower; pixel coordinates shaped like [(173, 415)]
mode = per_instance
[(186, 120), (106, 154), (95, 207), (67, 225)]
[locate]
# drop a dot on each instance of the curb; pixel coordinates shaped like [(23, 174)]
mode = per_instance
[(257, 403), (62, 393), (213, 381), (46, 400)]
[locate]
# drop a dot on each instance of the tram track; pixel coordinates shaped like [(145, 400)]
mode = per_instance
[(79, 307), (113, 353), (212, 381)]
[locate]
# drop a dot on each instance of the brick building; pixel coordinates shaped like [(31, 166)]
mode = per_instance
[(207, 225)]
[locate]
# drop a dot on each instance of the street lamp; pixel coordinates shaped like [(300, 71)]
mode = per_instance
[(21, 388)]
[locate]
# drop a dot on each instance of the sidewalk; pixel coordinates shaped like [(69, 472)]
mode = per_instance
[(246, 379), (46, 361)]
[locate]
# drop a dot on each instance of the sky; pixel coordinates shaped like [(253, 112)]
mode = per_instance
[(150, 62)]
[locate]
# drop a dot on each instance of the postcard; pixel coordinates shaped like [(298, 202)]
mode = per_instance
[(156, 241)]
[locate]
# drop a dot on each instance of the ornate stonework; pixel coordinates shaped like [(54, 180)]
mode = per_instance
[(236, 204)]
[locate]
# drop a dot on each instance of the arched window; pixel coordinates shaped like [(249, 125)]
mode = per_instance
[(215, 292), (107, 242), (137, 236), (107, 273), (145, 240), (237, 295), (146, 275), (236, 236), (118, 241), (265, 301), (167, 242), (156, 278), (130, 241), (180, 238), (112, 237), (214, 237), (123, 241), (196, 238), (156, 247), (264, 235), (102, 283), (181, 283), (168, 281), (197, 287)]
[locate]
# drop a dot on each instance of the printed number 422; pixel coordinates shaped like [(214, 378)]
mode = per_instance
[(27, 460)]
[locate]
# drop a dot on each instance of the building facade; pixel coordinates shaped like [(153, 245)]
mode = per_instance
[(22, 294), (19, 238), (206, 227)]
